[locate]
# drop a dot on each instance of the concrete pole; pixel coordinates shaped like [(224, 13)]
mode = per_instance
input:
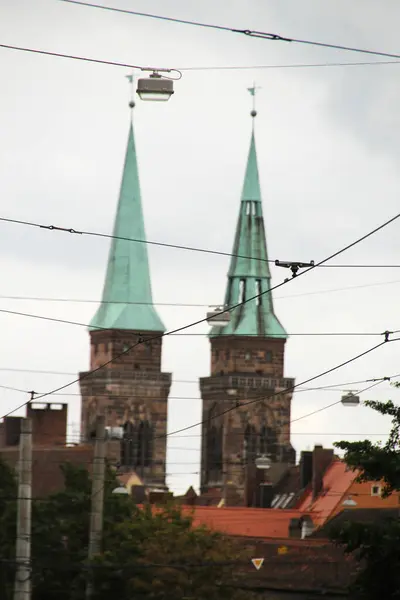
[(22, 589), (96, 514)]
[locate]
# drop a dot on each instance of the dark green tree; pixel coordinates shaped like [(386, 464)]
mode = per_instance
[(8, 519), (147, 553), (376, 546)]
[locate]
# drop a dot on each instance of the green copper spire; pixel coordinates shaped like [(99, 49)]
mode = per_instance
[(247, 277), (127, 299), (251, 186)]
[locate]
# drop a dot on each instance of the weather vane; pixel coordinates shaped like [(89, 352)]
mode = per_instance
[(132, 100), (253, 91)]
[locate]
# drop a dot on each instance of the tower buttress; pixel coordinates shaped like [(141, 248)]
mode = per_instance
[(131, 391), (247, 362)]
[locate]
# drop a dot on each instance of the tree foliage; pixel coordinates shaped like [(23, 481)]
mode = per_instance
[(375, 545), (377, 461), (8, 515), (147, 553)]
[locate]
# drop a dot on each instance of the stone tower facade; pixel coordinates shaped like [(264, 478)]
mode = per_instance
[(247, 363), (127, 385)]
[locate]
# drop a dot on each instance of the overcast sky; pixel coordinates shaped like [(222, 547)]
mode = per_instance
[(327, 141)]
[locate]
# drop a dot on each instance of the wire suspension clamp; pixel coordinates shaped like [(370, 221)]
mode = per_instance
[(386, 334), (55, 228)]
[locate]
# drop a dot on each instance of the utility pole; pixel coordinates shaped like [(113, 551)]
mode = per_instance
[(22, 589), (96, 513)]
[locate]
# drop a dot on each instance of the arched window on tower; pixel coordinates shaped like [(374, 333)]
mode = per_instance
[(137, 445), (250, 443), (145, 444), (263, 440), (268, 442), (213, 452), (128, 454)]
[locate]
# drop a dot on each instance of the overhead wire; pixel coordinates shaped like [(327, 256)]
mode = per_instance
[(71, 56), (245, 301), (196, 381), (339, 387), (316, 333), (155, 398), (245, 31), (289, 66), (329, 493), (288, 390), (196, 305), (268, 397), (83, 232), (314, 412), (74, 439), (128, 239), (205, 68)]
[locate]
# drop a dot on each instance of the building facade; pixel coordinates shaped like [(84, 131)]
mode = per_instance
[(125, 382), (247, 362)]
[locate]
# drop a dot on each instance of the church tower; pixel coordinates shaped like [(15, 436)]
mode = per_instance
[(131, 391), (247, 362)]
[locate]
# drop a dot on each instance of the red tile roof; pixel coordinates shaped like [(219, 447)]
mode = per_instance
[(339, 483), (336, 482), (247, 522)]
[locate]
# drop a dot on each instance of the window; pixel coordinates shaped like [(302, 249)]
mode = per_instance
[(268, 443), (248, 208), (242, 291), (128, 458), (288, 500), (137, 445), (263, 440), (145, 443), (250, 443), (214, 436), (375, 490), (137, 366), (258, 292), (268, 356), (247, 355)]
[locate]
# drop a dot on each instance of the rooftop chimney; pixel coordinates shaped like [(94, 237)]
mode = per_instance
[(9, 431), (321, 459), (306, 468), (49, 423)]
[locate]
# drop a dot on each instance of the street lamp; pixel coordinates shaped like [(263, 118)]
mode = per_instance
[(114, 433), (121, 489), (231, 392), (219, 317), (350, 399), (349, 502), (263, 462), (155, 87)]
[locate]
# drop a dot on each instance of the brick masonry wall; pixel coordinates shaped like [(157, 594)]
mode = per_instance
[(131, 388), (47, 477), (240, 366), (107, 345), (239, 354), (49, 424)]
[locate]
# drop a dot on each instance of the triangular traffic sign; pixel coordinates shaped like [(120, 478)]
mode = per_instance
[(257, 562)]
